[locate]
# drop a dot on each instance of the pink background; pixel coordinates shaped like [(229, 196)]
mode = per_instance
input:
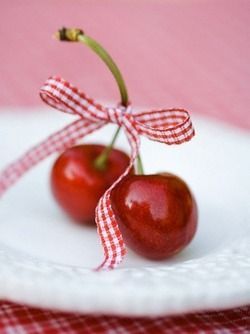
[(179, 53)]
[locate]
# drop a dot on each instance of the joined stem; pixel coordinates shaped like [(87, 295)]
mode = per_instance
[(103, 54), (77, 35)]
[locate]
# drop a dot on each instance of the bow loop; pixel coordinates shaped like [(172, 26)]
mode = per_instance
[(63, 96), (169, 126)]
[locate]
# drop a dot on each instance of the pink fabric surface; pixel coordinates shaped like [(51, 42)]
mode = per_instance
[(192, 54), (20, 319)]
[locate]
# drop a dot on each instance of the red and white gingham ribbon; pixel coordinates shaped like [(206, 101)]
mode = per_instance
[(169, 126)]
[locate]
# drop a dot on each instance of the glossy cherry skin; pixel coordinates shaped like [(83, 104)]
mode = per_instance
[(77, 184), (157, 214)]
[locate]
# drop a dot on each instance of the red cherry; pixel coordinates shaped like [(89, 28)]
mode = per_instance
[(77, 184), (157, 214)]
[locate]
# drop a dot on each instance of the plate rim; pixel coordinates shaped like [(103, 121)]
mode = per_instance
[(31, 286)]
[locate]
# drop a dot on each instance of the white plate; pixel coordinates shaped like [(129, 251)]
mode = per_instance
[(46, 261)]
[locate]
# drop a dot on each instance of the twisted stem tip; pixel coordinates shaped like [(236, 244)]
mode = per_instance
[(68, 34)]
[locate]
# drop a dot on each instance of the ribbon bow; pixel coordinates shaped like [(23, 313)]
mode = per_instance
[(169, 126)]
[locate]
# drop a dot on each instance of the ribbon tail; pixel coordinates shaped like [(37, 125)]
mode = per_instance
[(107, 225), (57, 142)]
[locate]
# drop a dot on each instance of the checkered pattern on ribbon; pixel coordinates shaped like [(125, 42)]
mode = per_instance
[(169, 126)]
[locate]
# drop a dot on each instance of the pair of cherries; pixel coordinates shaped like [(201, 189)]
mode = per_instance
[(156, 214)]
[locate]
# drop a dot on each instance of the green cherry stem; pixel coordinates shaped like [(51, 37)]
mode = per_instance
[(102, 53), (101, 160), (140, 169), (77, 35)]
